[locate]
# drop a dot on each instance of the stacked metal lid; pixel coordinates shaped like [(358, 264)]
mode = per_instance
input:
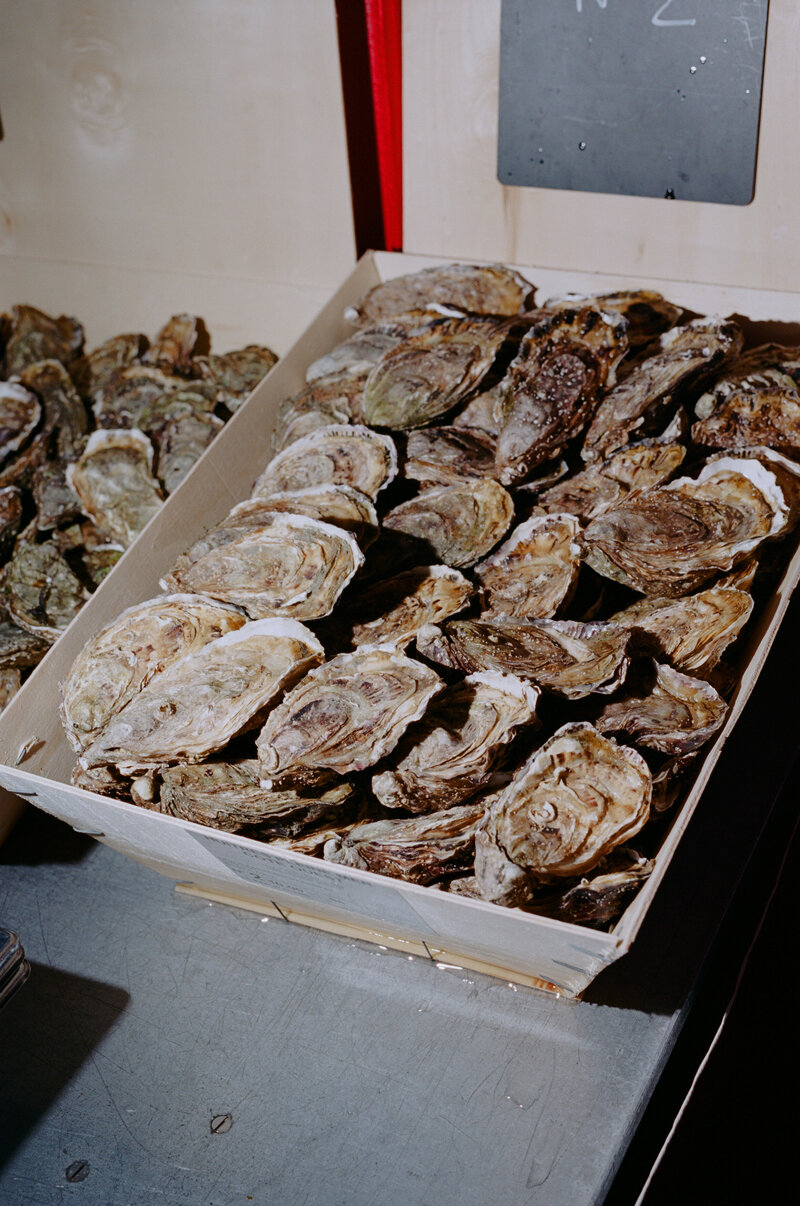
[(14, 967)]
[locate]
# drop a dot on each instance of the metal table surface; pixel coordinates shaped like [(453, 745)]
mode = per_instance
[(167, 1050)]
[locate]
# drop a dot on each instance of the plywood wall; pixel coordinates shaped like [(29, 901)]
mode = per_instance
[(455, 206), (165, 157)]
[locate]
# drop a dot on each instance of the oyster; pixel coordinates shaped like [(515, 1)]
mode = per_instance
[(228, 796), (443, 456), (600, 898), (420, 849), (571, 659), (116, 663), (10, 683), (63, 412), (459, 524), (199, 702), (674, 713), (357, 356), (450, 754), (285, 565), (647, 313), (94, 369), (553, 386), (482, 412), (394, 610), (693, 632), (180, 441), (333, 455), (604, 484), (232, 376), (114, 481), (20, 469), (343, 505), (11, 510), (756, 412), (534, 571), (42, 593), (175, 344), (686, 357), (19, 649), (326, 402), (120, 399), (672, 539), (578, 797), (56, 501), (20, 414), (428, 374), (34, 335), (344, 716), (480, 289)]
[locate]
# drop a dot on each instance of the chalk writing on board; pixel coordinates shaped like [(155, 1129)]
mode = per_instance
[(656, 19)]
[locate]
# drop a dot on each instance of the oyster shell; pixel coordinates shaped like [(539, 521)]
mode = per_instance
[(482, 412), (199, 702), (344, 716), (20, 414), (114, 481), (342, 505), (673, 714), (175, 344), (42, 593), (10, 683), (600, 898), (358, 355), (443, 456), (56, 501), (326, 402), (480, 289), (232, 376), (604, 484), (685, 358), (63, 412), (428, 374), (571, 659), (647, 313), (450, 754), (34, 335), (11, 510), (672, 539), (420, 849), (93, 370), (534, 571), (578, 797), (116, 663), (553, 386), (754, 413), (692, 632), (333, 455), (285, 565), (121, 399), (19, 649), (392, 611), (180, 441), (459, 524)]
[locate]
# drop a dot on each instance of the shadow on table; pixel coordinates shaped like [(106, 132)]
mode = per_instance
[(38, 838), (48, 1029)]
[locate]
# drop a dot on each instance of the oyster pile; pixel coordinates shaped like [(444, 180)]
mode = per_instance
[(477, 620), (91, 443)]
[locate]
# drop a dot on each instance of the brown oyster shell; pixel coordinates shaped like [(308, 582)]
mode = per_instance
[(459, 524), (11, 513), (34, 335), (180, 440), (358, 355), (691, 632), (232, 376), (19, 649), (199, 702), (646, 312), (563, 656), (673, 539), (20, 414), (281, 565), (392, 611), (443, 456), (121, 659), (56, 502), (336, 454), (674, 713), (686, 357), (342, 505), (450, 754), (344, 716), (43, 595), (756, 412), (578, 796), (174, 345), (482, 412), (430, 373), (122, 398), (420, 850), (115, 482), (553, 386), (63, 412), (479, 289), (94, 368), (601, 897), (534, 571), (605, 484), (325, 402)]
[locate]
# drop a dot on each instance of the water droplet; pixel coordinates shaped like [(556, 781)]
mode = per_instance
[(581, 146), (692, 70)]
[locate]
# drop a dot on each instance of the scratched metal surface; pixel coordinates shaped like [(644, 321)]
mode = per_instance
[(170, 1052)]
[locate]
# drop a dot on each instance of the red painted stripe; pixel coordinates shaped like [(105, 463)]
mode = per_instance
[(384, 36)]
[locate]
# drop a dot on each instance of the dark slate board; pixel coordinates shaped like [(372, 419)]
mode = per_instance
[(638, 97)]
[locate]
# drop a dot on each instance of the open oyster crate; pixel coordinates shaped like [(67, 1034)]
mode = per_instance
[(36, 759), (740, 260)]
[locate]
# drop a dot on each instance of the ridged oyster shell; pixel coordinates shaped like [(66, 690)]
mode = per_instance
[(341, 505), (563, 656), (480, 289), (116, 663), (198, 703), (42, 593), (281, 564), (34, 335), (646, 313), (605, 484), (344, 716), (757, 410), (692, 632), (20, 413), (450, 754), (444, 456), (673, 539), (326, 402), (459, 524), (174, 344), (578, 796), (64, 416), (534, 571), (393, 610), (334, 455), (115, 482), (673, 713), (232, 376)]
